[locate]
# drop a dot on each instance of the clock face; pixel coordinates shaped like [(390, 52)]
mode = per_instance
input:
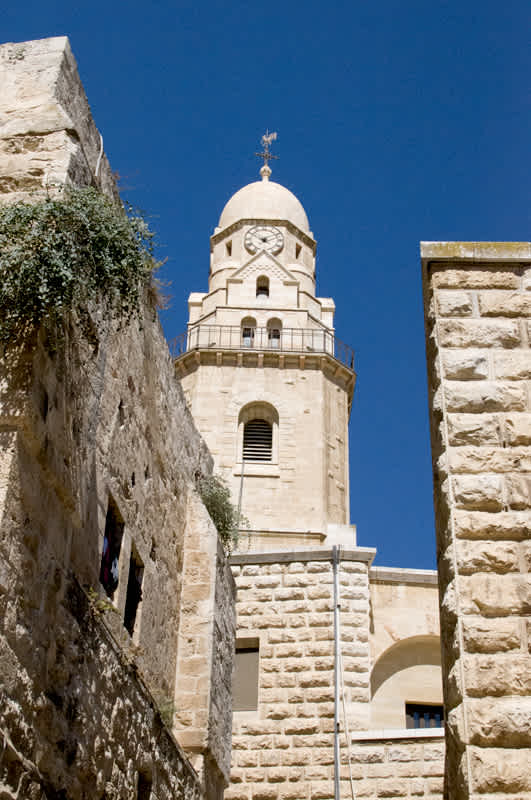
[(262, 237)]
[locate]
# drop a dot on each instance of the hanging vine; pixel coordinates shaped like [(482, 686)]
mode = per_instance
[(61, 253)]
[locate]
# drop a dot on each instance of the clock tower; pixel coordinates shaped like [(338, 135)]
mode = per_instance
[(268, 384)]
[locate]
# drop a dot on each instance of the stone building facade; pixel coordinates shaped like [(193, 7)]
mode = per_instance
[(270, 388), (478, 306), (106, 692)]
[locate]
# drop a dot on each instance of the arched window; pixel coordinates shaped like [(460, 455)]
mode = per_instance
[(274, 328), (257, 440), (248, 331), (262, 286), (258, 433)]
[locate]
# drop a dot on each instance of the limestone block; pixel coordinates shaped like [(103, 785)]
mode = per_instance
[(486, 557), (482, 492), (475, 277), (495, 595), (478, 333), (490, 459), (507, 525), (517, 429), (491, 635), (500, 674), (465, 365), (500, 770), (519, 491), (501, 722), (513, 365), (476, 429), (504, 304), (454, 304), (485, 396)]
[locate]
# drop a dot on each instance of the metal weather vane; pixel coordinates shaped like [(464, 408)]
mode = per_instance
[(265, 141)]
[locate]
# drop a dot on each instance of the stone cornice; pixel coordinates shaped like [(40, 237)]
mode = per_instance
[(363, 554)]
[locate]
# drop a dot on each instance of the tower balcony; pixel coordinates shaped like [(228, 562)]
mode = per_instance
[(255, 341), (238, 346)]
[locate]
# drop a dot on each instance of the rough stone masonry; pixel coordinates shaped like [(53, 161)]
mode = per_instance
[(94, 435), (478, 328)]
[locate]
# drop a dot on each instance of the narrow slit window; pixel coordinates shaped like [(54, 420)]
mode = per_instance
[(298, 250), (228, 249), (144, 787), (257, 441), (246, 673), (134, 591), (424, 716), (112, 544)]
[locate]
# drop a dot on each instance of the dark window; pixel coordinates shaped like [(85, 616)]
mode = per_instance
[(262, 286), (424, 716), (112, 543), (257, 441), (245, 685), (248, 336), (144, 787), (274, 327), (134, 590)]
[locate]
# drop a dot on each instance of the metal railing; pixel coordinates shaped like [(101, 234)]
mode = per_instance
[(282, 340)]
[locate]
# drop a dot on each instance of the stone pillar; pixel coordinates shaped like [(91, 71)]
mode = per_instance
[(478, 307)]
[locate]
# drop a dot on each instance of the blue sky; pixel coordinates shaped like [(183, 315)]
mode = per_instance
[(397, 122)]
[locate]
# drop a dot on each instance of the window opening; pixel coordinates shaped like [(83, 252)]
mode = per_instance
[(248, 331), (112, 543), (228, 249), (274, 326), (134, 591), (424, 716), (262, 286), (143, 791), (246, 671), (257, 440), (298, 249)]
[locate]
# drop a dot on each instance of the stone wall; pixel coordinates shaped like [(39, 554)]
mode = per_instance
[(478, 307), (284, 749), (47, 134), (404, 642), (96, 429), (398, 767)]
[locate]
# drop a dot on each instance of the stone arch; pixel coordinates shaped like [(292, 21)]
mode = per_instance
[(407, 672)]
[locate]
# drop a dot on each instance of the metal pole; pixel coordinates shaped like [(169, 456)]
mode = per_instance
[(335, 563)]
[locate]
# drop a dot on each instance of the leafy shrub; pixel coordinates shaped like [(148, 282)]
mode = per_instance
[(60, 253), (215, 494)]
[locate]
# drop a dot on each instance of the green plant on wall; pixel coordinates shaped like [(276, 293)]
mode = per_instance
[(62, 253), (215, 494)]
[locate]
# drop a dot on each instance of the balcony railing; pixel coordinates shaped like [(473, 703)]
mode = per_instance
[(285, 340)]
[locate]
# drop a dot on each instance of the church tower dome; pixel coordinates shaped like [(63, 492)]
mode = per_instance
[(264, 200)]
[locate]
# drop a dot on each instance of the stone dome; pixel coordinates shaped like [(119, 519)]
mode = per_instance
[(264, 200)]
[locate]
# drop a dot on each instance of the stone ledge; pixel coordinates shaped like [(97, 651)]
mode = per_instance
[(401, 575), (365, 554), (475, 251), (397, 733)]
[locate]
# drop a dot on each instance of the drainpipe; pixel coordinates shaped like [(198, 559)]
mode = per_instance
[(337, 766)]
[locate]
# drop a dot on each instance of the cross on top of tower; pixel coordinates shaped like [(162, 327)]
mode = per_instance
[(266, 140)]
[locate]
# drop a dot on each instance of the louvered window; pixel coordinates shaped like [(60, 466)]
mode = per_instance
[(257, 441)]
